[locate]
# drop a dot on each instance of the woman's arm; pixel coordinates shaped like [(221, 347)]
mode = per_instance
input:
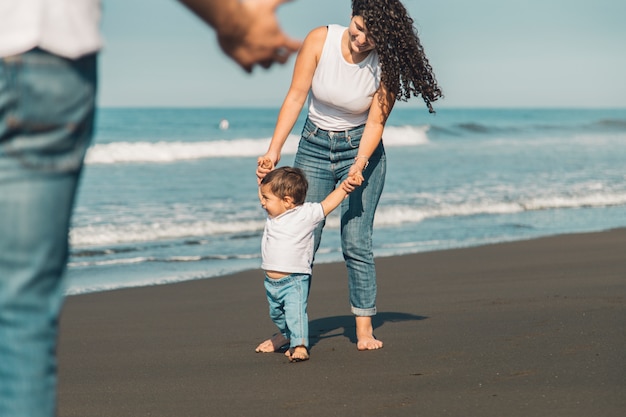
[(381, 107), (304, 68)]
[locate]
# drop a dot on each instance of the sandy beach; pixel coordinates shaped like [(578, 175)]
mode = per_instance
[(529, 328)]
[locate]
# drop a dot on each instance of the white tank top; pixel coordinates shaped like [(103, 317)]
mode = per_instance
[(341, 93)]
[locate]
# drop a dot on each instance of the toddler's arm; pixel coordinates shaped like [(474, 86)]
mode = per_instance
[(335, 198)]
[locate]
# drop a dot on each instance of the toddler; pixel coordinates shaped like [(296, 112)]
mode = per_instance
[(287, 252)]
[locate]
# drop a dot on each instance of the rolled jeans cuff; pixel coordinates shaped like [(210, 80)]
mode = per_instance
[(364, 312)]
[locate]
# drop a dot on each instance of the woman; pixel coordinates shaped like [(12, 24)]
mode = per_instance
[(354, 76)]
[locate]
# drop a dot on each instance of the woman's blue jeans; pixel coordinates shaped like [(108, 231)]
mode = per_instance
[(287, 298), (46, 124), (326, 158)]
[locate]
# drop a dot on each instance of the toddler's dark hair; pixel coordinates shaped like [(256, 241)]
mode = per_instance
[(288, 182)]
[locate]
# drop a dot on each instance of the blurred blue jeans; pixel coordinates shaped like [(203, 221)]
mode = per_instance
[(46, 124), (326, 157), (287, 298)]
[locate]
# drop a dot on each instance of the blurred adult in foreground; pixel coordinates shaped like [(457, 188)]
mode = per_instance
[(48, 52), (353, 76)]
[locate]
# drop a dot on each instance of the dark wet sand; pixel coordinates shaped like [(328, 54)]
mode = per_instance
[(531, 328)]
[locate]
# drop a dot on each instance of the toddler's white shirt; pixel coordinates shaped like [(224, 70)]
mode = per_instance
[(287, 244)]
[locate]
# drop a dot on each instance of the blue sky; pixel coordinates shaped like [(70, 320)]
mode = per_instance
[(486, 53)]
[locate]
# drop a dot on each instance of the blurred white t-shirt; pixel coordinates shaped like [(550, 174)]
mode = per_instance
[(69, 28)]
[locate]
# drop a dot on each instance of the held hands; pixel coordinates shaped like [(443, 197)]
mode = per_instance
[(264, 166), (351, 183), (355, 179), (257, 37), (356, 170)]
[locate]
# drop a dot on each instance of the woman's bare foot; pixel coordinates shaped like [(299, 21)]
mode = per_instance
[(272, 344), (365, 334), (298, 354)]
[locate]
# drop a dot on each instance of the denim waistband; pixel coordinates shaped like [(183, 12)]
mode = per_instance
[(38, 55), (335, 134), (287, 279)]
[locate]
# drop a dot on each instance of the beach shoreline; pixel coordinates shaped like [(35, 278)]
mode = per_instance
[(532, 327)]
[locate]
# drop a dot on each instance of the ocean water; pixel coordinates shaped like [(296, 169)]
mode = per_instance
[(169, 195)]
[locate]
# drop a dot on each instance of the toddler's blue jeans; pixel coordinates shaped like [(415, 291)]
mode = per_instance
[(287, 299)]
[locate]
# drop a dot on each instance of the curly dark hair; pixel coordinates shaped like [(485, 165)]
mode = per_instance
[(406, 71)]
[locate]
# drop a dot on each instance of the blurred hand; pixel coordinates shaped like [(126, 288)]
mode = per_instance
[(257, 38)]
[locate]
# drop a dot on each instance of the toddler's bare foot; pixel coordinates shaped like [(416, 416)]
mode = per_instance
[(298, 354), (272, 344), (365, 334)]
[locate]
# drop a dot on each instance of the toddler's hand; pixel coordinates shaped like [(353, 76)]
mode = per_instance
[(352, 182), (356, 174), (265, 163)]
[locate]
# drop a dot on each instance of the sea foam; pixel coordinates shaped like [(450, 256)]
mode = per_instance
[(115, 234), (168, 152)]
